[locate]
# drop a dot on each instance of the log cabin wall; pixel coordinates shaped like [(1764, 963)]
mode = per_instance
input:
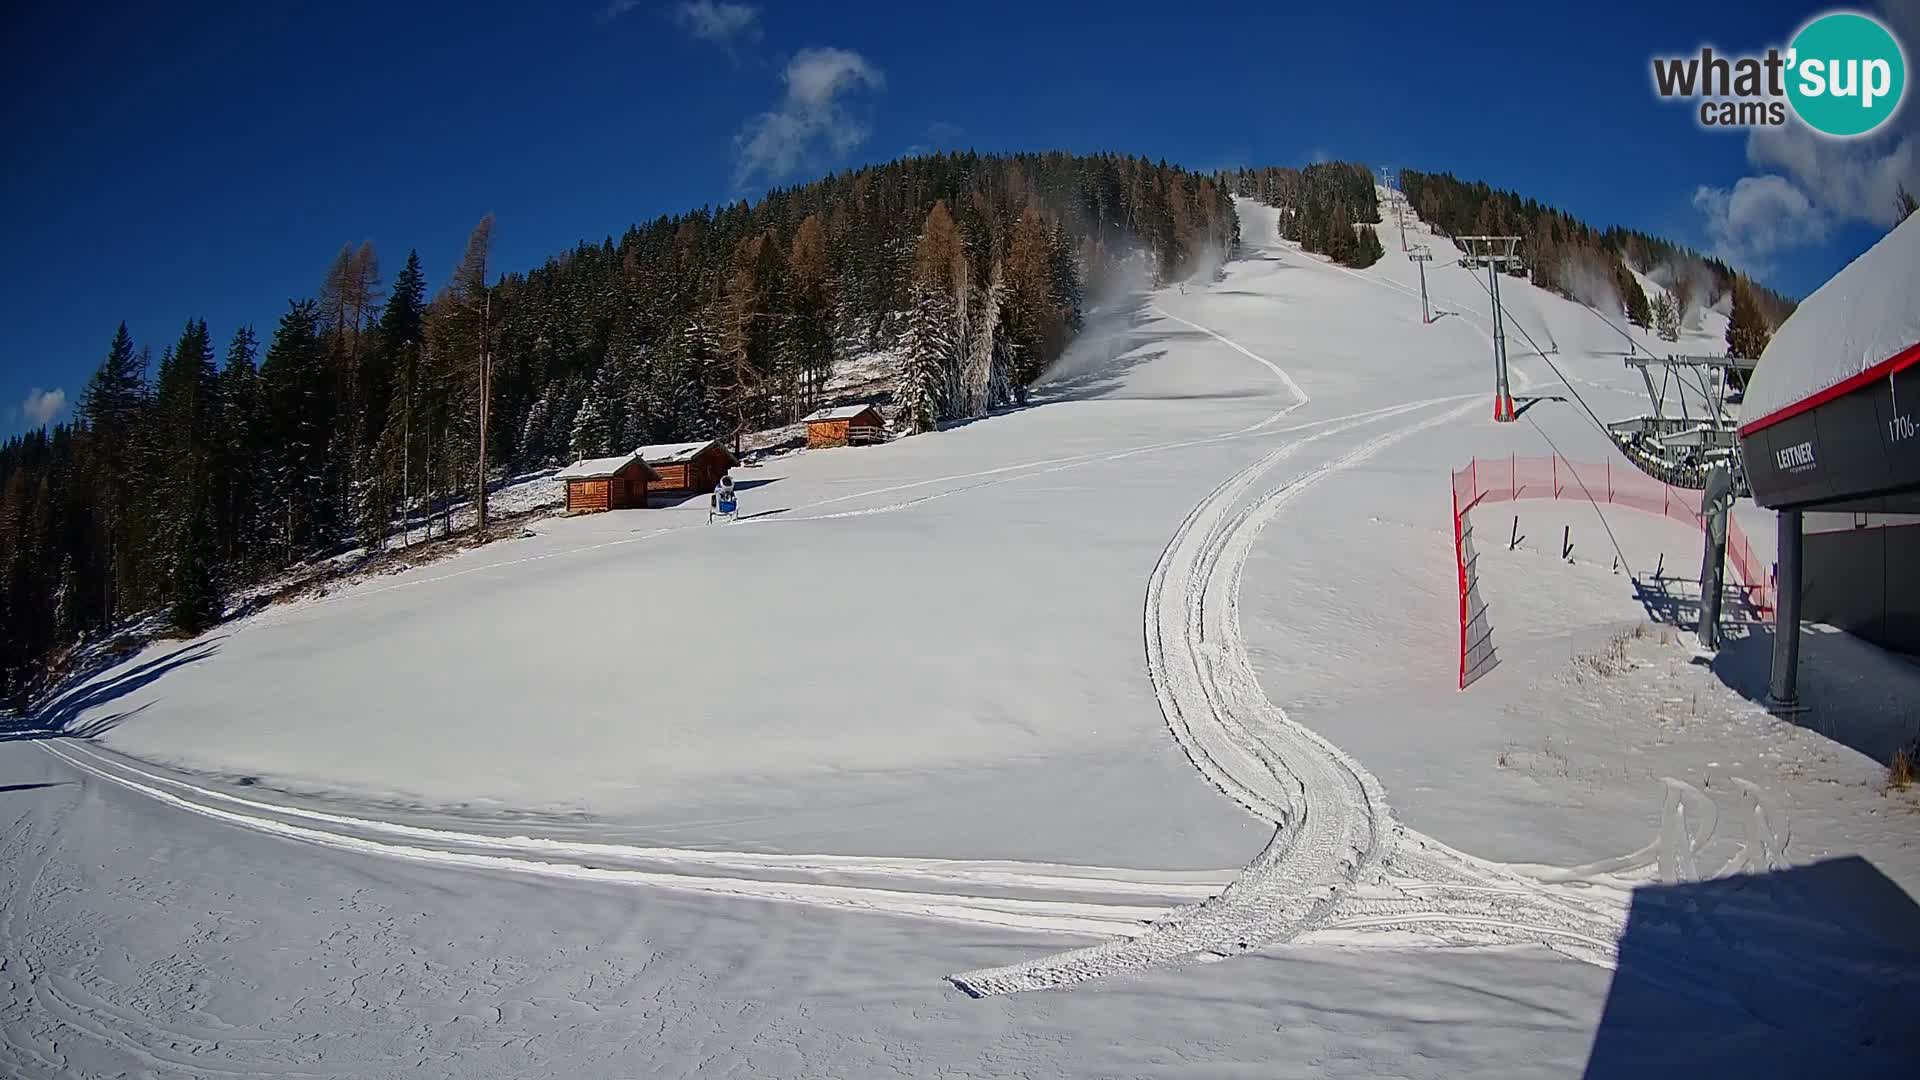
[(705, 470), (587, 495), (823, 433), (672, 478)]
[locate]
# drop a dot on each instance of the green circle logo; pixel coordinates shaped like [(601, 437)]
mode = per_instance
[(1846, 74)]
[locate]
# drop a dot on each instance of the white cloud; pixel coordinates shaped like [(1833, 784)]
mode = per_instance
[(1757, 217), (43, 407), (812, 115), (721, 23), (618, 8), (1851, 181)]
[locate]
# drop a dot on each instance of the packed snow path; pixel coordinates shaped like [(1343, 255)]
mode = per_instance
[(1103, 900), (198, 942), (1339, 865)]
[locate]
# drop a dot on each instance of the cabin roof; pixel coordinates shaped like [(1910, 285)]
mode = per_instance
[(602, 468), (844, 412), (677, 453)]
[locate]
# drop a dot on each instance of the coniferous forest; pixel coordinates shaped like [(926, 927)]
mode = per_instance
[(368, 407), (1567, 256), (1324, 207), (208, 459)]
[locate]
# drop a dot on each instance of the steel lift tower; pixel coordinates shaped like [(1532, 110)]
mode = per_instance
[(1421, 256), (1496, 251)]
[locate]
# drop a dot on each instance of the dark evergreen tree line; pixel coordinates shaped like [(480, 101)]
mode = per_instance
[(1576, 260), (1328, 207), (178, 483)]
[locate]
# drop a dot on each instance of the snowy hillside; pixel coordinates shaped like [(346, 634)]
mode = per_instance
[(1082, 698)]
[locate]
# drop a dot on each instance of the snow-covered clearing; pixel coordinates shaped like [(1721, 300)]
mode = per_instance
[(1154, 673)]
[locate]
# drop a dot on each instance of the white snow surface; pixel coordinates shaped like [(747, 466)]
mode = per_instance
[(1865, 314), (1082, 698)]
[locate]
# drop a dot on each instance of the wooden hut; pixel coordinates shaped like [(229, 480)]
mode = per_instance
[(848, 425), (687, 468), (609, 483)]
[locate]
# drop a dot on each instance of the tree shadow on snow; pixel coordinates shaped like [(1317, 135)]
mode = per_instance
[(1804, 971), (61, 717), (668, 501)]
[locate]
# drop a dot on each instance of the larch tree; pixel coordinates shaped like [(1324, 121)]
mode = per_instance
[(1035, 326), (810, 330), (1747, 331), (462, 342)]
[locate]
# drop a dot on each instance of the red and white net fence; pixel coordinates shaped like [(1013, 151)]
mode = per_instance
[(1508, 479)]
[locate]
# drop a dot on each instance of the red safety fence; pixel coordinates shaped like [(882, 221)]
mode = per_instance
[(1508, 479)]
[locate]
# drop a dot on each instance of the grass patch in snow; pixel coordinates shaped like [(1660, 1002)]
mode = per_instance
[(1901, 769)]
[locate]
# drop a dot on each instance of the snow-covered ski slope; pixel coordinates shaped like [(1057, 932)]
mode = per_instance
[(1154, 672)]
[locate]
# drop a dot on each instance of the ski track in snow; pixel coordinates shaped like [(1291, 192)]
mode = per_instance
[(729, 873), (1339, 868)]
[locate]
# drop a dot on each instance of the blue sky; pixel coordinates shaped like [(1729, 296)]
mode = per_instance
[(163, 165)]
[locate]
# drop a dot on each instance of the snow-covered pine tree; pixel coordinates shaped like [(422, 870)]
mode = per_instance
[(1063, 272), (295, 384), (536, 446), (936, 339), (984, 380), (1633, 297), (187, 411), (243, 477), (590, 428), (1367, 249), (1666, 317), (926, 349)]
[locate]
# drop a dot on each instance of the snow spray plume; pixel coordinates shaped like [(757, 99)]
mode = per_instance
[(1589, 280), (1206, 264), (1691, 284), (1117, 292)]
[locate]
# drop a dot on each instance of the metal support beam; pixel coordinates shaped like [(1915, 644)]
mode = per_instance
[(1496, 250), (1421, 256), (1783, 690)]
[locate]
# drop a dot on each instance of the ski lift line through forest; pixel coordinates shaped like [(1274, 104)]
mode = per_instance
[(1665, 378), (1712, 398)]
